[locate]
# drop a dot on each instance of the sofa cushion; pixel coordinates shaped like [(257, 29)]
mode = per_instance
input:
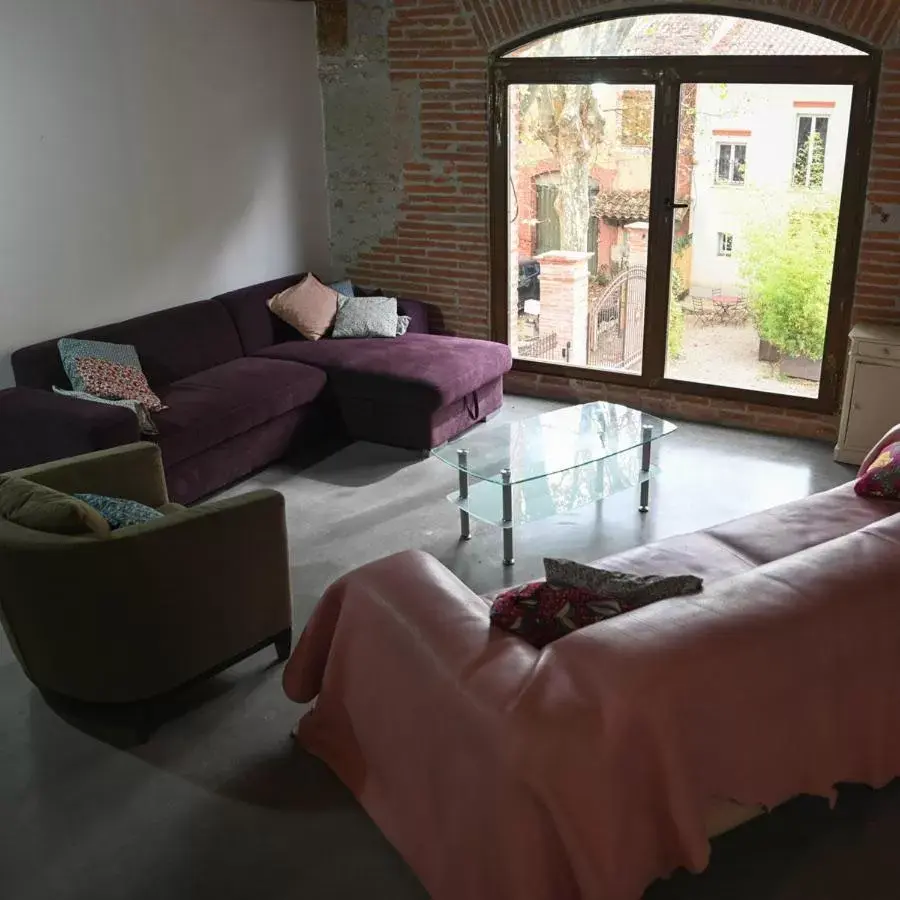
[(417, 369), (172, 344), (256, 324), (259, 328), (309, 307), (71, 350), (107, 379), (38, 507), (882, 478), (362, 317), (212, 406)]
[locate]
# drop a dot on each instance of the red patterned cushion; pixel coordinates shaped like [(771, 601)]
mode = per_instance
[(541, 612), (882, 478), (113, 381)]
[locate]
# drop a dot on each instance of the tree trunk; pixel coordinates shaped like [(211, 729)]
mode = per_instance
[(575, 136)]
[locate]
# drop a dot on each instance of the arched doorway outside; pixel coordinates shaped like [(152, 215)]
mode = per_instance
[(719, 157)]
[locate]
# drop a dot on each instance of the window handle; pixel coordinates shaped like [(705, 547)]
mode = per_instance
[(673, 205)]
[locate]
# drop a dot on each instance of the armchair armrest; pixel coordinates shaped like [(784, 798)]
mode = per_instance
[(889, 438), (153, 606), (134, 471), (38, 426)]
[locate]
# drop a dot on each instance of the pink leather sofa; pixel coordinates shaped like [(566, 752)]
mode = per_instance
[(608, 759)]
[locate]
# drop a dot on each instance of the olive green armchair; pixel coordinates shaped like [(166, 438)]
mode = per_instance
[(151, 607)]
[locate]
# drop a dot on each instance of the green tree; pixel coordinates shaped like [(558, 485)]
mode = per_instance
[(787, 266)]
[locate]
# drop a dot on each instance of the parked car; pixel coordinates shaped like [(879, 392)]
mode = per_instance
[(529, 286)]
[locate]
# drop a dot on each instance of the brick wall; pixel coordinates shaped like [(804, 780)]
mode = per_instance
[(407, 152)]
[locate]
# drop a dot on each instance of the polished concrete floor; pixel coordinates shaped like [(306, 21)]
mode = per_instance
[(220, 804)]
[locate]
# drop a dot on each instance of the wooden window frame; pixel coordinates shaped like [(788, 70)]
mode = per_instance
[(667, 75)]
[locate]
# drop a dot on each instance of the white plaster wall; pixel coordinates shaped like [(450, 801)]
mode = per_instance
[(768, 112), (152, 152)]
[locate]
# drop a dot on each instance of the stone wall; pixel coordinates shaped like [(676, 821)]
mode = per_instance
[(407, 152)]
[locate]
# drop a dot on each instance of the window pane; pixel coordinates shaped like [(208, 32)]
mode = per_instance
[(801, 160), (817, 163), (684, 34), (637, 118), (740, 161), (724, 164)]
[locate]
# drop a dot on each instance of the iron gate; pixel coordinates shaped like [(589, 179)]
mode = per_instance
[(616, 322)]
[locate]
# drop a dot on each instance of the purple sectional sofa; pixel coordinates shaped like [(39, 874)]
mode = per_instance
[(244, 389)]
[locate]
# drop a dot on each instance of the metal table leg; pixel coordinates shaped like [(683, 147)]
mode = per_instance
[(647, 436), (465, 531), (508, 557)]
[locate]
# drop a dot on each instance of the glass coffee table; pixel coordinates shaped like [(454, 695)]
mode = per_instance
[(551, 464)]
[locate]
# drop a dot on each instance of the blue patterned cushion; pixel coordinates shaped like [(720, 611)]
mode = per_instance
[(71, 349), (118, 512), (345, 287), (366, 317)]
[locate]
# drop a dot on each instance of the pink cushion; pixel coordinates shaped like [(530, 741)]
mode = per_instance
[(309, 306), (882, 478), (113, 381)]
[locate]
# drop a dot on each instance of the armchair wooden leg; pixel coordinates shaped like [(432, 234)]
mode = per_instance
[(283, 642)]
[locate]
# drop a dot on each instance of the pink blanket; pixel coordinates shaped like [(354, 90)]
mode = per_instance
[(586, 769)]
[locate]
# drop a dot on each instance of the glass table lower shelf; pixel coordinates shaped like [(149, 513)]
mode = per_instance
[(550, 464), (552, 495)]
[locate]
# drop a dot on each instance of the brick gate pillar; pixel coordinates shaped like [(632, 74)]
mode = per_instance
[(564, 301)]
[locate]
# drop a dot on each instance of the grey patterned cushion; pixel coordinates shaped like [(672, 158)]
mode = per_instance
[(72, 349), (402, 325), (145, 422), (366, 317), (631, 591)]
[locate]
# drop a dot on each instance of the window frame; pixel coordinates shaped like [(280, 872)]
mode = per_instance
[(813, 117), (667, 74), (732, 166), (724, 244)]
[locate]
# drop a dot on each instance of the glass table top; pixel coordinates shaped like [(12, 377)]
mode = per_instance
[(552, 442)]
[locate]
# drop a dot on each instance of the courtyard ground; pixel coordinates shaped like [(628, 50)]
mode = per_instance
[(728, 355)]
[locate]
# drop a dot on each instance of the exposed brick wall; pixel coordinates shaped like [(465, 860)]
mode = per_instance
[(423, 228)]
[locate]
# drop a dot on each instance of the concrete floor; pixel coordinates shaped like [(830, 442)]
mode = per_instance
[(220, 804)]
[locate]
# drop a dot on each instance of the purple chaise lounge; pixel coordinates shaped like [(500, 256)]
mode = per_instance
[(244, 389)]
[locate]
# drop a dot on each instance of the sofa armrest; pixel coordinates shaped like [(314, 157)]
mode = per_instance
[(405, 604), (418, 312), (38, 426), (134, 471), (152, 606), (889, 438)]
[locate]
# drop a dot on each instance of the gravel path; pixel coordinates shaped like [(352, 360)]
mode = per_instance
[(728, 355)]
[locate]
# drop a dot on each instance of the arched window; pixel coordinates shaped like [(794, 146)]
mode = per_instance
[(680, 210)]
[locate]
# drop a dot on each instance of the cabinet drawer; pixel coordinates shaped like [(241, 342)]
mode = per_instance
[(871, 350)]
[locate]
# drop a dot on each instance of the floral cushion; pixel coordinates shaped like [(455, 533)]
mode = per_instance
[(114, 381), (540, 612), (118, 512), (73, 349), (882, 478)]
